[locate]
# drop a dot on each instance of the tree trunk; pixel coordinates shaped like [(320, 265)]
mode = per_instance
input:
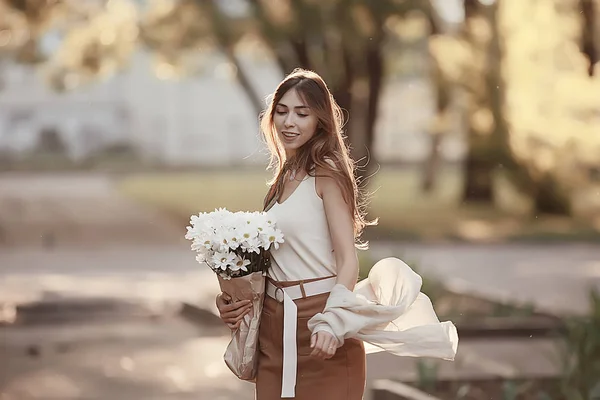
[(227, 44), (343, 92), (550, 198), (375, 71), (432, 163), (442, 89), (479, 165), (301, 50), (366, 92), (479, 186), (588, 42), (357, 124), (244, 81), (434, 159)]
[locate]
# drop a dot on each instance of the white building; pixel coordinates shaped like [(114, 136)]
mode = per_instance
[(200, 120)]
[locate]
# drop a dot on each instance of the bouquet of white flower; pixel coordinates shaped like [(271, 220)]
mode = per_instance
[(233, 244), (236, 247)]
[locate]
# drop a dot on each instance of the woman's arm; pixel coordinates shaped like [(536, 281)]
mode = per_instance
[(341, 231)]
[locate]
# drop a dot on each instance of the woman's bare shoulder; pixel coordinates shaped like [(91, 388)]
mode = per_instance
[(325, 178)]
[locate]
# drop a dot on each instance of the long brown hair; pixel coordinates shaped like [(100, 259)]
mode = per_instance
[(325, 151)]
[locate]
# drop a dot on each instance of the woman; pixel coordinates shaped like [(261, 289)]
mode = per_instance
[(316, 202), (314, 320)]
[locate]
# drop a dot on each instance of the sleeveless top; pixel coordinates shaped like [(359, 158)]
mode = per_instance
[(307, 251)]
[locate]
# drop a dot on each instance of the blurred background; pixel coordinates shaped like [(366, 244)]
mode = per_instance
[(475, 123)]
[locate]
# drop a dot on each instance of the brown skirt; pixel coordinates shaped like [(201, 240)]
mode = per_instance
[(341, 377)]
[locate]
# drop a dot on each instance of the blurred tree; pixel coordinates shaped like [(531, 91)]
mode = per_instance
[(551, 102), (440, 125), (520, 64), (590, 41), (509, 81), (50, 142), (22, 24), (469, 62), (548, 195), (192, 25), (482, 128), (343, 41)]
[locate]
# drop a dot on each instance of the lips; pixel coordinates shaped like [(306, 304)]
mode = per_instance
[(290, 135)]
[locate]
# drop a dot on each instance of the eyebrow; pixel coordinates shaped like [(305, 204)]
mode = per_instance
[(297, 107)]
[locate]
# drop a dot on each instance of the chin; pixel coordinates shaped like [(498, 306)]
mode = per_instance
[(289, 148)]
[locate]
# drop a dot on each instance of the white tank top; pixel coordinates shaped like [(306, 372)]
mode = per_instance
[(307, 251)]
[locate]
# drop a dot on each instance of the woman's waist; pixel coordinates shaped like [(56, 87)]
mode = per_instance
[(309, 295), (298, 282)]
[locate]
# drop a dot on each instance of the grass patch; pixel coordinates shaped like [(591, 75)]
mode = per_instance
[(403, 210)]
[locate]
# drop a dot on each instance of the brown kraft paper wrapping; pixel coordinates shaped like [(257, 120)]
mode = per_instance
[(241, 353)]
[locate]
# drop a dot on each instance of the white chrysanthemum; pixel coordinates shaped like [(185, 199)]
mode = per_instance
[(274, 238), (240, 263), (261, 226), (252, 245), (191, 233), (196, 220), (223, 260), (220, 215), (263, 234), (247, 233), (271, 220), (247, 222), (233, 239), (201, 258), (198, 245), (221, 241)]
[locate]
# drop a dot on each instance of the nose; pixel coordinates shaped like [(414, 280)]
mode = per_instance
[(289, 120)]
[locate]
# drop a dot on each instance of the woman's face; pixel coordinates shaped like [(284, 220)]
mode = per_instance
[(294, 121)]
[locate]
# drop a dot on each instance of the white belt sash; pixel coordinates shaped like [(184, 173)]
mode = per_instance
[(290, 352), (290, 324)]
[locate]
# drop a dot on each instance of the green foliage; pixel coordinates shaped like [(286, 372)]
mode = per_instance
[(365, 262), (544, 396), (463, 391), (581, 354), (510, 390), (427, 374), (512, 310)]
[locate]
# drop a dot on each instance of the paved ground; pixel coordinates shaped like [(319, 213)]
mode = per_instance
[(554, 277), (83, 210), (171, 359), (161, 273), (95, 233), (171, 351), (137, 358), (143, 258)]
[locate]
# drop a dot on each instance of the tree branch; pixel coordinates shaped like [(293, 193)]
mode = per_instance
[(588, 43), (226, 42)]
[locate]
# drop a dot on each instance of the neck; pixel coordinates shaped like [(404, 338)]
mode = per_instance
[(289, 159)]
